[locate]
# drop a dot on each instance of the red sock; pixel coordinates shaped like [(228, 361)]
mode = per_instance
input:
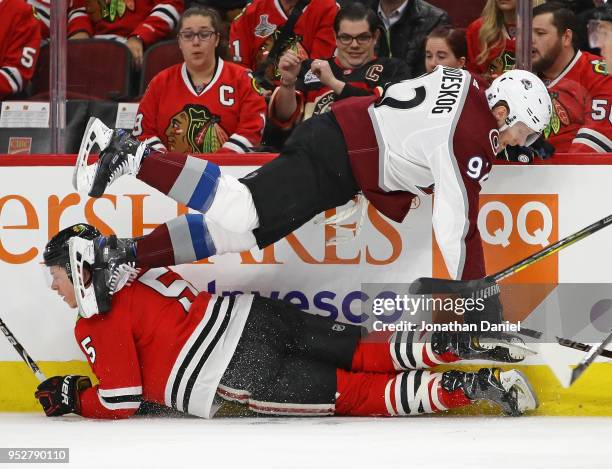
[(155, 249), (407, 393), (385, 352), (161, 170)]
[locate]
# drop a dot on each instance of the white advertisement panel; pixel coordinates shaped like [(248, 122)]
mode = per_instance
[(523, 208)]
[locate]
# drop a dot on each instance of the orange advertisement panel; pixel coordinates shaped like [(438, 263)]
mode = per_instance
[(512, 227)]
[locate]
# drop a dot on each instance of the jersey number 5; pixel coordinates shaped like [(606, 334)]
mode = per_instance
[(173, 288), (89, 350)]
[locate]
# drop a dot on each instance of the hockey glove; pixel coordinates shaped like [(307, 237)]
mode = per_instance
[(59, 395), (488, 306), (543, 148), (516, 154)]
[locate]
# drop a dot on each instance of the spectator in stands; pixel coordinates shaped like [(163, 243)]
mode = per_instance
[(229, 10), (492, 39), (138, 23), (78, 23), (406, 24), (205, 104), (254, 33), (311, 86), (19, 46), (600, 33), (445, 46), (579, 86)]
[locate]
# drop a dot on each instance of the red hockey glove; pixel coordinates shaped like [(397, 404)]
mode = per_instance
[(59, 395)]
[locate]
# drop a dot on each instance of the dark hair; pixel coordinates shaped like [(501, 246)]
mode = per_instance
[(455, 38), (356, 12), (215, 20), (215, 17), (563, 17)]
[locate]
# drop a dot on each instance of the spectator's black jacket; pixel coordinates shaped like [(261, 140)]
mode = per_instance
[(406, 40)]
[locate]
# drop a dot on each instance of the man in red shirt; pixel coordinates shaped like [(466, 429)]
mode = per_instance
[(164, 342), (19, 45), (579, 86)]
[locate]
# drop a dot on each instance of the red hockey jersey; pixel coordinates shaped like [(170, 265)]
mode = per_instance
[(150, 20), (228, 114), (19, 45), (77, 16), (161, 342), (254, 31), (501, 58), (582, 107), (431, 134), (314, 98)]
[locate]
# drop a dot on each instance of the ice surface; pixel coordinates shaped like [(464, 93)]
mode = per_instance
[(339, 443)]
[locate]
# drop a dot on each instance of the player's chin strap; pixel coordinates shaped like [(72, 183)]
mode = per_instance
[(82, 251), (96, 133), (359, 205)]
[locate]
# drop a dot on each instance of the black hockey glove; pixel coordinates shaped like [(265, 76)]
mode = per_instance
[(488, 306), (59, 395), (516, 154), (543, 148)]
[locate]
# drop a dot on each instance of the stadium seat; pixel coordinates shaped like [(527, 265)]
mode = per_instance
[(461, 13), (158, 57), (97, 69)]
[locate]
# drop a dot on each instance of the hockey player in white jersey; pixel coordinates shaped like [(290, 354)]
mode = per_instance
[(437, 133)]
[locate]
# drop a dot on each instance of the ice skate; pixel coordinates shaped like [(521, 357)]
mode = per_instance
[(500, 347), (112, 263), (120, 154), (508, 389)]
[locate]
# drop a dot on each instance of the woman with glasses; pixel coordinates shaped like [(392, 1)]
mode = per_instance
[(311, 86), (205, 104)]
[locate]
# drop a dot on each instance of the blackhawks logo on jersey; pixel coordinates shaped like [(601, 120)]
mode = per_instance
[(559, 116), (294, 43), (599, 66), (195, 129), (504, 62), (108, 10)]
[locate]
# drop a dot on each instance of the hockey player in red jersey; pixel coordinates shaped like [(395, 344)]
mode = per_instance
[(578, 82), (19, 45), (164, 342), (205, 104), (437, 133), (254, 32)]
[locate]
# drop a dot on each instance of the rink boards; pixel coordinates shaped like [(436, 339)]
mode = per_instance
[(522, 209)]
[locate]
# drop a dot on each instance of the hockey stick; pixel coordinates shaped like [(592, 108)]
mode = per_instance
[(590, 358), (429, 285), (21, 351)]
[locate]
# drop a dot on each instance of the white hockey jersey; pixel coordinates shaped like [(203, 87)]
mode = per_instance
[(431, 134)]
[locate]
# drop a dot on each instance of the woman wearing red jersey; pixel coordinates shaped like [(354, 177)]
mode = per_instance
[(491, 39), (205, 104)]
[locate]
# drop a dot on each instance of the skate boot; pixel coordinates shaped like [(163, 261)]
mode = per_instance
[(115, 263), (498, 346), (111, 262), (508, 389), (120, 154)]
